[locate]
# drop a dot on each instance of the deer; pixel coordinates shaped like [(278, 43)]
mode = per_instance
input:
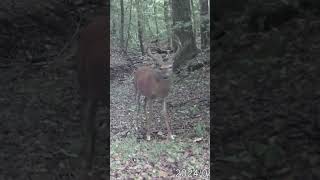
[(92, 63), (154, 83)]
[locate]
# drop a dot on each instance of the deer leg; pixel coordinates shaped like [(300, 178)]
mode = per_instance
[(138, 102), (137, 95), (166, 118), (144, 108), (149, 117), (137, 98), (135, 92), (145, 104), (88, 112)]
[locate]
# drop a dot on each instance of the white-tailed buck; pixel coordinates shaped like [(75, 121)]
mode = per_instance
[(154, 83)]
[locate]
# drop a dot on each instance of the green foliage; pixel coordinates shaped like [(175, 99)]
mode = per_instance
[(194, 109), (127, 148), (200, 129), (149, 24)]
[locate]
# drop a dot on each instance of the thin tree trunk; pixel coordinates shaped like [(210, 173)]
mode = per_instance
[(204, 28), (171, 24), (167, 21), (122, 26), (140, 27), (149, 27), (114, 28), (129, 25), (155, 18), (209, 9), (193, 18)]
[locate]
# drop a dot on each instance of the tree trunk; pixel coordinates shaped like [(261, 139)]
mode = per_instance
[(155, 18), (149, 28), (181, 15), (114, 27), (171, 24), (122, 26), (140, 26), (209, 11), (129, 25), (167, 21), (204, 28), (193, 19)]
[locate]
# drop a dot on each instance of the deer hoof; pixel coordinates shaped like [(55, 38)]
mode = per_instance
[(172, 137), (148, 138)]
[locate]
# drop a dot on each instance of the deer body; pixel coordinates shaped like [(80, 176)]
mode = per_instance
[(152, 84), (92, 60)]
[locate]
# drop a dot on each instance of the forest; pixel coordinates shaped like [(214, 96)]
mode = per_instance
[(159, 48)]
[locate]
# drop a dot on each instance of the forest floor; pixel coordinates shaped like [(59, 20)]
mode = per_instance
[(188, 103)]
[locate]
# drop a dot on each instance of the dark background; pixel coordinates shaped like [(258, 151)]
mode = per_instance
[(265, 84)]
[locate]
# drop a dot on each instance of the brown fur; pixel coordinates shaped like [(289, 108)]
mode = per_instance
[(151, 84)]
